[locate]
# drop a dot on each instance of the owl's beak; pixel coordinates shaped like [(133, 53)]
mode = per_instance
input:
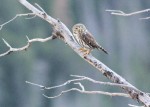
[(80, 30)]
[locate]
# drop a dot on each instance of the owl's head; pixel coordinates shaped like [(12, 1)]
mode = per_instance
[(78, 28)]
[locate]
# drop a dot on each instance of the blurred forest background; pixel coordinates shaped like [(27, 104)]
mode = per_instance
[(126, 38)]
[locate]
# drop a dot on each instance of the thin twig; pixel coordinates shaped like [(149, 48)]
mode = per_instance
[(81, 86), (121, 13), (28, 82), (99, 82), (145, 18), (17, 15), (134, 105), (31, 17), (57, 86), (40, 8)]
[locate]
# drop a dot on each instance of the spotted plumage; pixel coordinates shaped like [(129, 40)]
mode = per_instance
[(85, 39)]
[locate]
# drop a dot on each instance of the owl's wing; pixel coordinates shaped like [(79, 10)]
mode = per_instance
[(89, 40)]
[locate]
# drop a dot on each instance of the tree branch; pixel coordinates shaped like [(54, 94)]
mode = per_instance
[(134, 105), (82, 90), (121, 13), (24, 47), (78, 78), (28, 42), (88, 92), (17, 15), (81, 78)]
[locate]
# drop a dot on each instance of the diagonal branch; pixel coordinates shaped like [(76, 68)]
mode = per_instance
[(64, 33)]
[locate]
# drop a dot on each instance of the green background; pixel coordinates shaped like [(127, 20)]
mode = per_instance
[(127, 39)]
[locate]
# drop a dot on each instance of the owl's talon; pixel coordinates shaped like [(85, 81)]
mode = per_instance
[(85, 51), (88, 52), (82, 50), (85, 54)]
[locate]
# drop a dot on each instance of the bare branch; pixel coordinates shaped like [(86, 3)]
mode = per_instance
[(31, 17), (99, 82), (81, 86), (83, 91), (26, 46), (89, 92), (57, 86), (121, 13), (40, 8), (41, 86), (17, 15), (72, 89), (79, 78), (145, 18), (134, 105), (6, 43)]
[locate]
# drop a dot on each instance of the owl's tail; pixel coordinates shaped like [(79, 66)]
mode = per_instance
[(101, 48)]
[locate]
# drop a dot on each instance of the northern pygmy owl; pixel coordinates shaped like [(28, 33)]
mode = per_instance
[(85, 39)]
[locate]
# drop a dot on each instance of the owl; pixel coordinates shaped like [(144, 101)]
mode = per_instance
[(85, 39)]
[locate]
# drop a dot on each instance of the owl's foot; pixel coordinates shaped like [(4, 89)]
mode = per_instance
[(85, 51), (82, 50)]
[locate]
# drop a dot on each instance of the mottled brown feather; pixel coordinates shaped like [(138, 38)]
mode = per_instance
[(90, 41)]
